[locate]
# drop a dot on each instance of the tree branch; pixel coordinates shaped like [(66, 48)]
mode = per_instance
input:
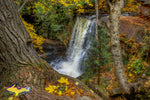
[(109, 3), (96, 10), (136, 87), (22, 5), (115, 91), (99, 91), (122, 3)]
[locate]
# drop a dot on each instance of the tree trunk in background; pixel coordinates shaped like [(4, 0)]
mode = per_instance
[(115, 12), (96, 21)]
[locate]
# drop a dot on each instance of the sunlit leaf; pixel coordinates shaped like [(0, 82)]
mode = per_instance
[(63, 80), (77, 83)]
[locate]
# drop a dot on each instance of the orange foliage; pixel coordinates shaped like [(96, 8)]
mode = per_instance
[(64, 87), (131, 6)]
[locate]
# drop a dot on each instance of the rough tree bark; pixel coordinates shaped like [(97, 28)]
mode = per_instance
[(17, 53), (19, 62), (115, 12), (13, 37), (22, 5)]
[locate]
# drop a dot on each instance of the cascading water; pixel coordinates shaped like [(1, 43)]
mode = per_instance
[(80, 42)]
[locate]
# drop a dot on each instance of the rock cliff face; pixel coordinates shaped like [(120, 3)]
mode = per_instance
[(133, 27), (144, 10)]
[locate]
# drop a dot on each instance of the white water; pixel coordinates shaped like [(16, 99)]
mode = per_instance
[(76, 53)]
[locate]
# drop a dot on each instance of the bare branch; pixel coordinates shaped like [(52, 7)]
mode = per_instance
[(122, 3), (96, 10), (22, 5), (109, 3)]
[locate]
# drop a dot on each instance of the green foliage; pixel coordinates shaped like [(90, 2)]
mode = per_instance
[(99, 54), (125, 60), (135, 66), (146, 47), (136, 55), (50, 17), (148, 73), (138, 66)]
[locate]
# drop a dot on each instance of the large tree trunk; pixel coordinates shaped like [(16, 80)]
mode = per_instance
[(15, 50), (115, 12), (19, 62), (13, 37)]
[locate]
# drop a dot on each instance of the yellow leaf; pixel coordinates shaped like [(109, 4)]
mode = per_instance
[(50, 89), (10, 98), (66, 88), (92, 91), (77, 83), (63, 80), (55, 87)]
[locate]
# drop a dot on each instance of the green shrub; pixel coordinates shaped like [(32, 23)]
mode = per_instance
[(98, 54)]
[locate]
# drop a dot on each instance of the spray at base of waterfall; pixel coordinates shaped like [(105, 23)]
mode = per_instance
[(77, 51)]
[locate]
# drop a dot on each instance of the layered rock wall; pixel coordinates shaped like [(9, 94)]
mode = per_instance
[(133, 27), (144, 9)]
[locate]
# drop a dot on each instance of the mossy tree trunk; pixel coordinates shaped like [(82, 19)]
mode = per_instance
[(115, 13), (129, 90)]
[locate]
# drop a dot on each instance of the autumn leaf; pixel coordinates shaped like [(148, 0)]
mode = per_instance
[(72, 93), (10, 98), (76, 83), (50, 89), (63, 80), (66, 88), (80, 90), (55, 87), (60, 93), (92, 91)]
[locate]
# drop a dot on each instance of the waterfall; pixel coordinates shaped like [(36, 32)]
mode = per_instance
[(80, 42)]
